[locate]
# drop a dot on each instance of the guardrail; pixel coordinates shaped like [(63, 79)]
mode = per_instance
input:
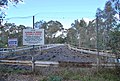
[(55, 64), (89, 51), (29, 63), (46, 46)]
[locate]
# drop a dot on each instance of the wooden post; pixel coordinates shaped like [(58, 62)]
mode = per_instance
[(33, 64)]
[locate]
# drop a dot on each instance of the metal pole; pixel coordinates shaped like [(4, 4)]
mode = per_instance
[(33, 22), (33, 61)]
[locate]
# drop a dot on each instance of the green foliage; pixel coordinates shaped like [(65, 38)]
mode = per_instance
[(115, 37), (54, 78), (59, 39), (114, 43), (14, 31), (106, 22), (116, 4), (44, 79), (82, 34), (82, 75), (6, 69), (4, 4), (2, 45), (108, 74), (72, 36)]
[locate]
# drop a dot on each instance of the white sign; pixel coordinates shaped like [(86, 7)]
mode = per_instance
[(33, 36), (13, 42)]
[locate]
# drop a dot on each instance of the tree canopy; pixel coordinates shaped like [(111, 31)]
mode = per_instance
[(4, 3)]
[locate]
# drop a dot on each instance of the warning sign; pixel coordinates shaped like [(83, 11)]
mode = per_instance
[(33, 36)]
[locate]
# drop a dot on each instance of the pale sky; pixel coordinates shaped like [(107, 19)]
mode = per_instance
[(65, 11)]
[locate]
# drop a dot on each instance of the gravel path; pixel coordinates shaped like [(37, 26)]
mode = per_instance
[(60, 53)]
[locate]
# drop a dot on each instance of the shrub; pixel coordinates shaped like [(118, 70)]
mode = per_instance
[(54, 78)]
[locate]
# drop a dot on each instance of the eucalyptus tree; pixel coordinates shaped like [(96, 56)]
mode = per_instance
[(109, 16), (102, 32), (80, 28), (40, 24), (12, 29), (114, 43), (43, 25), (85, 33), (4, 5), (72, 37), (76, 28), (51, 28), (2, 34), (91, 34), (106, 22), (20, 28), (20, 34), (116, 6), (4, 30), (60, 39), (106, 19), (82, 33), (62, 36)]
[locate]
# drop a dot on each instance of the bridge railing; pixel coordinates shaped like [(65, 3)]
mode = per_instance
[(56, 64), (91, 51)]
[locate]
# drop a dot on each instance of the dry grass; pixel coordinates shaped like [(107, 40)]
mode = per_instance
[(58, 74)]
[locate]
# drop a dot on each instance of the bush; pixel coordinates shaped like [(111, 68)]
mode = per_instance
[(54, 78)]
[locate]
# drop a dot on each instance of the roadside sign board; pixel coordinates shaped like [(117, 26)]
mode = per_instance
[(13, 42), (33, 36)]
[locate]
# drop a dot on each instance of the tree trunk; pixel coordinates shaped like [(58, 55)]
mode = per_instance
[(117, 65), (79, 41)]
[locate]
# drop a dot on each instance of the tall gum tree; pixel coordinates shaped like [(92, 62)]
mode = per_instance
[(3, 6)]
